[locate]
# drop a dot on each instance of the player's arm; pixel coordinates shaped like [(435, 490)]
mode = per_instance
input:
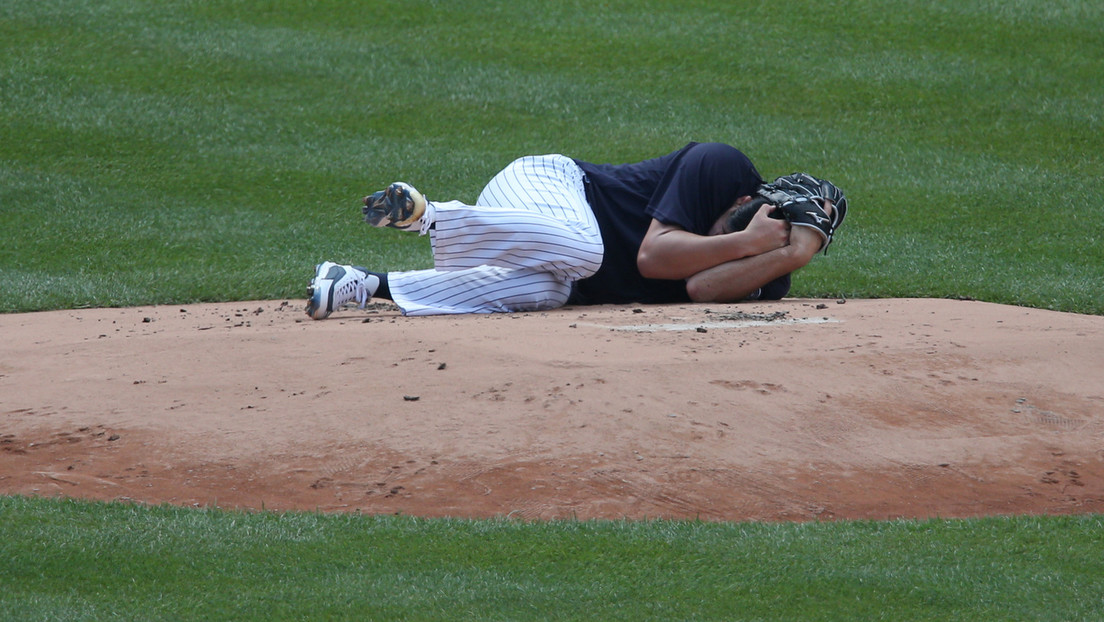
[(736, 280), (671, 252)]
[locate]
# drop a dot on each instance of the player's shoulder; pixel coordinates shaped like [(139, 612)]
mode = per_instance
[(722, 158), (714, 150)]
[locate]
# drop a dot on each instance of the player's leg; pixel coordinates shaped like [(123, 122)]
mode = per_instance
[(471, 236), (531, 234), (483, 289), (533, 215)]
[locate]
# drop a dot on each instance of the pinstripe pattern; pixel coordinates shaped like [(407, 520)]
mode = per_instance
[(484, 289), (529, 236)]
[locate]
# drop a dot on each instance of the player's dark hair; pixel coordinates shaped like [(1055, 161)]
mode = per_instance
[(741, 217)]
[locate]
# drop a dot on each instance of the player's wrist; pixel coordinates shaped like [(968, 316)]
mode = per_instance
[(750, 242), (806, 241)]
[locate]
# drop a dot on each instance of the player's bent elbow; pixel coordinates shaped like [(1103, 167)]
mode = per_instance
[(697, 292), (652, 268)]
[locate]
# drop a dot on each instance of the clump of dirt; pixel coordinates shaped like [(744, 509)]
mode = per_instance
[(741, 316)]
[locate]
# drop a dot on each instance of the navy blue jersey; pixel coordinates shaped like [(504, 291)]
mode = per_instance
[(689, 188)]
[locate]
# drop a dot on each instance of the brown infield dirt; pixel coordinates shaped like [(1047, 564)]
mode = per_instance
[(792, 411)]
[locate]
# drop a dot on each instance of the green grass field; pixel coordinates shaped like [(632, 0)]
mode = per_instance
[(77, 560), (189, 151), (175, 152)]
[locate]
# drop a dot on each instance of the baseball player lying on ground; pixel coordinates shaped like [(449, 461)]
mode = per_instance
[(698, 224)]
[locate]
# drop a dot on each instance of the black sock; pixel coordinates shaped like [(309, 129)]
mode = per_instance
[(383, 291)]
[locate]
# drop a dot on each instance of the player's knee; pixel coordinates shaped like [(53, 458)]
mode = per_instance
[(537, 292), (554, 295), (589, 267)]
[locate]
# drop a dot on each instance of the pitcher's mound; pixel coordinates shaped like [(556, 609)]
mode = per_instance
[(797, 410)]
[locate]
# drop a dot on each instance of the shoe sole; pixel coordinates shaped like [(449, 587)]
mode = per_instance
[(316, 291), (394, 207)]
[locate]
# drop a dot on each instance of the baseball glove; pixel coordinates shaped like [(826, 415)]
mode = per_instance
[(800, 199)]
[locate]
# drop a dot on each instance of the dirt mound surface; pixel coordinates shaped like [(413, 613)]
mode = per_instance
[(797, 410)]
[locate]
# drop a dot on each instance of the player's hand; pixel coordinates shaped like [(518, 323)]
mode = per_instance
[(763, 233)]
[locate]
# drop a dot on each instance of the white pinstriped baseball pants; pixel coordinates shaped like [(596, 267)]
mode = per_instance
[(529, 236)]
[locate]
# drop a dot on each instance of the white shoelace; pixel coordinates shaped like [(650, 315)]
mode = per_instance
[(364, 291), (362, 294), (353, 290)]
